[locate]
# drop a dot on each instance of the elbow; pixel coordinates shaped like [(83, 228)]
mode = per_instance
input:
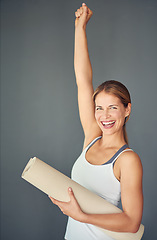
[(133, 222), (134, 227)]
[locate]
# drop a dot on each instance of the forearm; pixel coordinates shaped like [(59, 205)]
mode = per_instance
[(82, 64), (118, 222)]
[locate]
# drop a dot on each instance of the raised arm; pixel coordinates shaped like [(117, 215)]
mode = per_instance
[(83, 73)]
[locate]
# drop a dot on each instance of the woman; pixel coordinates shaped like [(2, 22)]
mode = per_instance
[(107, 166)]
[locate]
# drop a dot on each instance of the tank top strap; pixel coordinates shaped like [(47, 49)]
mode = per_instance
[(92, 142), (120, 152)]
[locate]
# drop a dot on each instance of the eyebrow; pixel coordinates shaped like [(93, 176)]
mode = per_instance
[(97, 106), (111, 105)]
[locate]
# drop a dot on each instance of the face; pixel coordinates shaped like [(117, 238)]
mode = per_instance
[(110, 113)]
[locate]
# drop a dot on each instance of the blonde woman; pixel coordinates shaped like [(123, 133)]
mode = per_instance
[(106, 166)]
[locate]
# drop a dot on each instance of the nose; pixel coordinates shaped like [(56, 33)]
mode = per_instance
[(106, 113)]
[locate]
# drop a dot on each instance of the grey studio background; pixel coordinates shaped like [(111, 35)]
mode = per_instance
[(39, 114)]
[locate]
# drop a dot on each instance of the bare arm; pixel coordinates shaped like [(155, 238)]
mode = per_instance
[(129, 163), (83, 73), (132, 199), (131, 195)]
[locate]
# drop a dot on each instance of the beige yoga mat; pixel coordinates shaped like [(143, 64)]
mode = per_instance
[(56, 184)]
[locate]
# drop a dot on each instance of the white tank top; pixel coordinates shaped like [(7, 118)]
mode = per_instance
[(101, 180)]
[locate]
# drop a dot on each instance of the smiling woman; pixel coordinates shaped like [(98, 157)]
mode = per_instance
[(117, 96), (106, 166)]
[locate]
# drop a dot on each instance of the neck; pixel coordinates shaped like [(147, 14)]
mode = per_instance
[(114, 140)]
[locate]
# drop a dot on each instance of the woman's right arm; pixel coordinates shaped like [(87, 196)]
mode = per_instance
[(83, 73)]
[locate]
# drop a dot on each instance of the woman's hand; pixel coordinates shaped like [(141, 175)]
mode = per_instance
[(83, 14), (71, 208)]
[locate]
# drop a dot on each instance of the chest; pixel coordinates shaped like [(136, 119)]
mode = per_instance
[(99, 179), (98, 156)]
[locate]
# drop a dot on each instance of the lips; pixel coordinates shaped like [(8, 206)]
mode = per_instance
[(108, 124)]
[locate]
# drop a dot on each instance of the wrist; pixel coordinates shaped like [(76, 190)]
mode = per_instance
[(80, 28), (84, 218)]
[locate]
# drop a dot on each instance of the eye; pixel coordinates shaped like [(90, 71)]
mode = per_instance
[(98, 108), (113, 107)]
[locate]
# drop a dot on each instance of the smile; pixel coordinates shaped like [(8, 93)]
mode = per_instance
[(108, 124)]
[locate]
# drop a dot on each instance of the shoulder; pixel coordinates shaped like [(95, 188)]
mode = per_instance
[(130, 162), (129, 157)]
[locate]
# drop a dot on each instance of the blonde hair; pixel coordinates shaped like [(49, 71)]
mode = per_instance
[(119, 90)]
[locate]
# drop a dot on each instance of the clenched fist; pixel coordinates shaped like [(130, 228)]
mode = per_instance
[(83, 14)]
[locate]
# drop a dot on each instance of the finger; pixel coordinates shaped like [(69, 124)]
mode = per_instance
[(52, 199), (81, 10), (90, 12), (60, 208), (76, 14), (71, 194), (87, 9), (56, 202), (84, 8)]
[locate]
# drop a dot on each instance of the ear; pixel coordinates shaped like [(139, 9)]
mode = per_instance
[(128, 110)]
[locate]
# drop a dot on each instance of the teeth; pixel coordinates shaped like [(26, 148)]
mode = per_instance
[(108, 123)]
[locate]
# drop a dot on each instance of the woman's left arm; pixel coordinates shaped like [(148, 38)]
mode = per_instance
[(129, 220), (131, 196)]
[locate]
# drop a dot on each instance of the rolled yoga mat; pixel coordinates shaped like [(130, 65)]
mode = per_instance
[(56, 184)]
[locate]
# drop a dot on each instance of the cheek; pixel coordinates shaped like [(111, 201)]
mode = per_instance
[(96, 115), (119, 115)]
